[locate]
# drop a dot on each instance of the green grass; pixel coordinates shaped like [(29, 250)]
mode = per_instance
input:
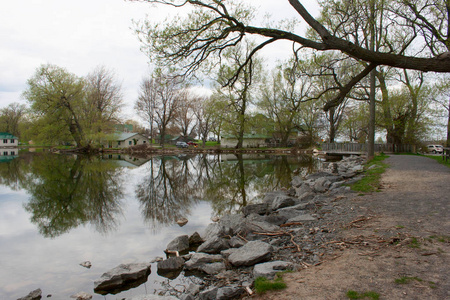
[(263, 284), (355, 295), (371, 180), (441, 238), (439, 160), (414, 243), (406, 279)]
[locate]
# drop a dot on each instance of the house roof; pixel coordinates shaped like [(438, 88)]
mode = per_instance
[(122, 136), (7, 135)]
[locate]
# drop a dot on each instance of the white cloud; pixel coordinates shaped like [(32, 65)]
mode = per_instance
[(80, 35)]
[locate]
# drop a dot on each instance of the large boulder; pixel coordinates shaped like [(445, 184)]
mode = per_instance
[(121, 278), (171, 267), (229, 292), (210, 264), (195, 239), (281, 202), (271, 268), (215, 229), (258, 208), (180, 244), (251, 253), (214, 245)]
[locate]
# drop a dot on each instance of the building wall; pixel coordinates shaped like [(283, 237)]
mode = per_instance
[(9, 143), (130, 142)]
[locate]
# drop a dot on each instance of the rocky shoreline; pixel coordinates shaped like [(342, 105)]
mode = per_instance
[(288, 230)]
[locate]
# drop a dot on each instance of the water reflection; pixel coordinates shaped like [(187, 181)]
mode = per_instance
[(67, 191)]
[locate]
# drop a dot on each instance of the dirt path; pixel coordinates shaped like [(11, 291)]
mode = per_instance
[(403, 234)]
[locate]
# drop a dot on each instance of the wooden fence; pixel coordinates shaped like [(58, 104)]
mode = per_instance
[(361, 148)]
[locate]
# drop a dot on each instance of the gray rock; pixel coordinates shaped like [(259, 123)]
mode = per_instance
[(321, 185), (296, 181), (228, 252), (303, 189), (269, 269), (212, 268), (259, 208), (193, 289), (171, 264), (195, 239), (33, 295), (198, 260), (236, 242), (187, 297), (251, 253), (214, 245), (257, 226), (232, 223), (209, 294), (215, 229), (231, 292), (180, 244), (317, 175), (281, 202), (306, 196), (276, 219), (122, 277), (301, 218), (270, 196)]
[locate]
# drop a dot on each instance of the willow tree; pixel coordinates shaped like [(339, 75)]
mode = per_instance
[(57, 97)]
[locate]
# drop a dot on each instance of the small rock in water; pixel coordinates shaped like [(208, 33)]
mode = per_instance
[(215, 219), (82, 296), (157, 259), (182, 221), (86, 264), (33, 295)]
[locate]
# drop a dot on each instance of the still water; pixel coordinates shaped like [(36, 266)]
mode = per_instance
[(57, 211)]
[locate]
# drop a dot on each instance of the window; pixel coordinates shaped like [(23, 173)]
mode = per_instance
[(5, 141), (5, 153), (129, 142), (118, 143), (12, 141), (13, 153)]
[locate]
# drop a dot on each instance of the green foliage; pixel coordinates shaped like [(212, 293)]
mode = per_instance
[(371, 180), (263, 284), (356, 295)]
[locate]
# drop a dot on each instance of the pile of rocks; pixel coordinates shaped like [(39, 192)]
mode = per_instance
[(285, 231)]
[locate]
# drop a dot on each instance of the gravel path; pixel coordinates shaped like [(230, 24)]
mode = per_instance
[(406, 236)]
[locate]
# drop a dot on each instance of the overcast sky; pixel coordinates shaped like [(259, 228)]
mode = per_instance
[(80, 35)]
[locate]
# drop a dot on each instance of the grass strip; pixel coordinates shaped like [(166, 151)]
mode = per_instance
[(263, 284), (372, 175)]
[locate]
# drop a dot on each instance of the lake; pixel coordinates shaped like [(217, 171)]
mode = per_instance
[(57, 211)]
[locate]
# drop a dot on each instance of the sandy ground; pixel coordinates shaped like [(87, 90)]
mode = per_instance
[(402, 232)]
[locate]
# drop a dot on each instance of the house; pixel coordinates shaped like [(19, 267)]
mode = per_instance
[(127, 139), (8, 140), (250, 141)]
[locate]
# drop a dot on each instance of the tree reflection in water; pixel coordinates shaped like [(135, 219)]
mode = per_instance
[(68, 191), (173, 185)]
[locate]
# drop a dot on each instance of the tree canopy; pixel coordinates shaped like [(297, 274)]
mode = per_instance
[(202, 36)]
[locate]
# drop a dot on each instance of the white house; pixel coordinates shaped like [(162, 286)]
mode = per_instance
[(8, 140), (128, 139)]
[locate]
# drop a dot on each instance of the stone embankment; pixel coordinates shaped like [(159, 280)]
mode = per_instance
[(288, 230)]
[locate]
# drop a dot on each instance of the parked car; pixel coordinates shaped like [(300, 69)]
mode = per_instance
[(182, 145), (192, 144), (435, 148)]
